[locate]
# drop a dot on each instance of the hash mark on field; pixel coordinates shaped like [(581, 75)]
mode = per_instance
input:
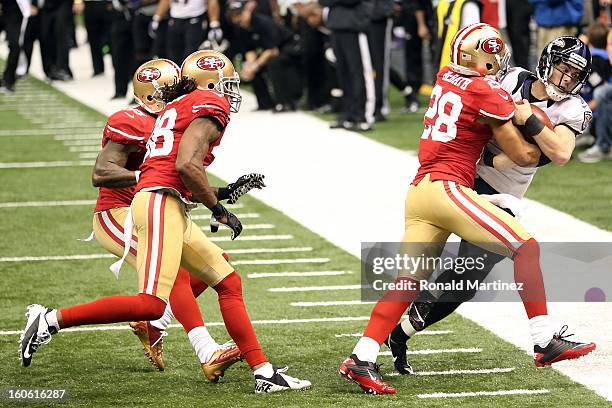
[(95, 148), (254, 238), (202, 208), (19, 204), (316, 288), (248, 226), (242, 216), (426, 332), (458, 372), (91, 138), (295, 275), (35, 132), (281, 261), (332, 303), (55, 258), (34, 165), (71, 126), (88, 155), (482, 393), (268, 250), (262, 322), (81, 142), (436, 351)]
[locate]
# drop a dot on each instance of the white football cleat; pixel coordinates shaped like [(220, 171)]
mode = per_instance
[(279, 382), (36, 333)]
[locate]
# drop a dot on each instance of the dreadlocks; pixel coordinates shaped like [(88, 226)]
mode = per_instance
[(184, 86)]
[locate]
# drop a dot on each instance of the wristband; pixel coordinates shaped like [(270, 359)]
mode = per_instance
[(218, 210), (214, 24), (223, 193), (533, 126), (487, 158), (137, 175), (156, 18)]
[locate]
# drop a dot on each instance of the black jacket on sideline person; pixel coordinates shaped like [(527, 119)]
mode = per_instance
[(348, 15)]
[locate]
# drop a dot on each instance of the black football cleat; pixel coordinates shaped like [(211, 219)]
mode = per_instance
[(279, 382), (560, 349), (397, 344), (365, 374), (36, 333)]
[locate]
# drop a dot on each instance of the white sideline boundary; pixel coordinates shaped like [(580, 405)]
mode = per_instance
[(457, 372), (482, 393), (388, 175)]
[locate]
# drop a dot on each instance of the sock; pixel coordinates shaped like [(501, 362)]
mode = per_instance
[(265, 370), (388, 311), (527, 271), (184, 304), (407, 328), (366, 349), (114, 309), (237, 320), (541, 330), (203, 343), (51, 318), (163, 322)]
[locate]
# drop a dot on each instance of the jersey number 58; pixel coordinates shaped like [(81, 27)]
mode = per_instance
[(162, 139), (444, 128)]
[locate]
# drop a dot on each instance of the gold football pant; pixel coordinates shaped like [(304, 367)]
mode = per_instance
[(435, 209), (169, 240)]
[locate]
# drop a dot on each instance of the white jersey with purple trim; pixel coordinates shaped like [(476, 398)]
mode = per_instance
[(572, 112)]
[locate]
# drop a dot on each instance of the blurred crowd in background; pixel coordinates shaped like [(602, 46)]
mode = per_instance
[(326, 56)]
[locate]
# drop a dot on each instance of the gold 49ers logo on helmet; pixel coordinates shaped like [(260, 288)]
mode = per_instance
[(493, 45), (210, 63), (149, 74)]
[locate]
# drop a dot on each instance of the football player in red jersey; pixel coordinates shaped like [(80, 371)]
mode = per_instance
[(467, 108), (172, 175)]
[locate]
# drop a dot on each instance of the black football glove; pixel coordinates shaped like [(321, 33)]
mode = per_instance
[(222, 216), (240, 187)]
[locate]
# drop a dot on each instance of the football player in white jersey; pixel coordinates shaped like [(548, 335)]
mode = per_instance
[(564, 66)]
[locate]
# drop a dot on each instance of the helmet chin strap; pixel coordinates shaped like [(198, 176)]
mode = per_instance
[(553, 93)]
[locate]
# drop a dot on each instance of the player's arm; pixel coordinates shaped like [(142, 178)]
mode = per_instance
[(110, 171), (192, 150), (557, 144), (512, 142)]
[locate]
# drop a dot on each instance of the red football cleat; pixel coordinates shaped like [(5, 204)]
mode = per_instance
[(365, 374), (560, 349)]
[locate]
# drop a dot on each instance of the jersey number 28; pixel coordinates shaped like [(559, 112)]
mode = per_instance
[(162, 139), (444, 128)]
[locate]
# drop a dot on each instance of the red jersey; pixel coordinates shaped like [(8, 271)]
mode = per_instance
[(128, 127), (452, 139), (159, 167)]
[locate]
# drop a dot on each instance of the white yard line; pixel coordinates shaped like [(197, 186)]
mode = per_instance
[(76, 149), (81, 142), (268, 250), (35, 165), (436, 351), (315, 288), (246, 226), (421, 333), (254, 238), (19, 204), (258, 322), (295, 275), (458, 372), (281, 261), (88, 138), (331, 303), (482, 393), (36, 132)]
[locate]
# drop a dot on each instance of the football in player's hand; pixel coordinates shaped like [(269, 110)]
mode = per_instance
[(540, 114)]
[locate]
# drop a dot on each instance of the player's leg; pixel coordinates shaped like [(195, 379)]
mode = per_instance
[(159, 225), (478, 221), (206, 260), (421, 239)]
